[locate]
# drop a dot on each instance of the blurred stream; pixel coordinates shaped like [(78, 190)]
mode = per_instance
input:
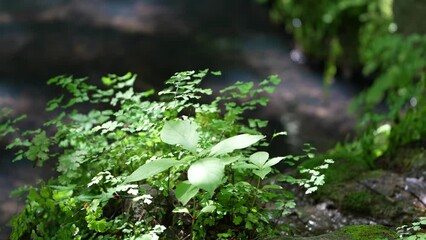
[(41, 39)]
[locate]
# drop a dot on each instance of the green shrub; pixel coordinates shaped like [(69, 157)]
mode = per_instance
[(414, 231), (137, 168)]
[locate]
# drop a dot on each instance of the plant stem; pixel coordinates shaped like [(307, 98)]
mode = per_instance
[(193, 220), (255, 194)]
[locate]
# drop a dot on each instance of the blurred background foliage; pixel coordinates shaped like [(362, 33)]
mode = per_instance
[(383, 39), (380, 45)]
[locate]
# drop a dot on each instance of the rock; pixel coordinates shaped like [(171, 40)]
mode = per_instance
[(417, 187), (385, 197)]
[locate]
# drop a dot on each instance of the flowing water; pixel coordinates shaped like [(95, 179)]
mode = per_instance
[(41, 39)]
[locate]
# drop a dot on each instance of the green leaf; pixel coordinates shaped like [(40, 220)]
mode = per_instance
[(272, 186), (185, 191), (262, 172), (311, 190), (274, 79), (181, 210), (245, 87), (279, 134), (208, 209), (237, 142), (229, 160), (244, 165), (150, 169), (107, 81), (147, 236), (207, 174), (237, 220), (330, 161), (269, 89), (99, 226), (182, 132), (54, 103), (259, 158), (273, 161), (39, 150)]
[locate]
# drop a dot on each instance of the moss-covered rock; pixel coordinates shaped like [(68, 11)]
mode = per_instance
[(358, 201), (378, 194), (405, 158), (347, 165), (367, 232), (356, 232)]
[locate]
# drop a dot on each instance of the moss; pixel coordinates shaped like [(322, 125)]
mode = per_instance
[(355, 232), (405, 158), (359, 202), (346, 165), (352, 197), (368, 203), (373, 174), (368, 232)]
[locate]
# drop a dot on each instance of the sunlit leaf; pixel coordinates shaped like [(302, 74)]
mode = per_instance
[(208, 209), (262, 172), (150, 169), (245, 87), (311, 190), (273, 186), (230, 160), (207, 174), (259, 158), (181, 210), (273, 161), (107, 81), (182, 132), (244, 165), (237, 142), (279, 134), (185, 191)]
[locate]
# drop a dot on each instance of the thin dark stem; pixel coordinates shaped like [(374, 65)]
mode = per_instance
[(255, 195), (193, 216)]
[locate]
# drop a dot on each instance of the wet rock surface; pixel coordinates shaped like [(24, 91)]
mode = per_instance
[(375, 198)]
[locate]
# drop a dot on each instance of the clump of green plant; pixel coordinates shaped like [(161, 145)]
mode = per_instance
[(415, 231), (172, 168)]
